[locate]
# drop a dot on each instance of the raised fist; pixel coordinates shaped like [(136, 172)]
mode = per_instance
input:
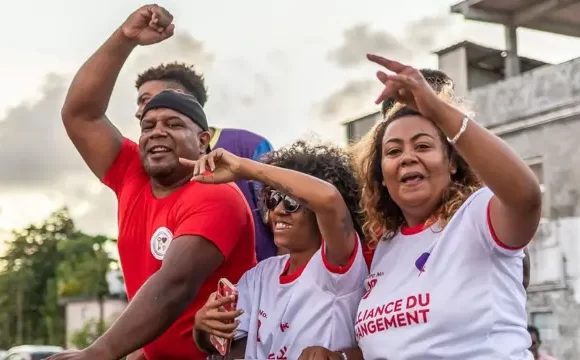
[(148, 25)]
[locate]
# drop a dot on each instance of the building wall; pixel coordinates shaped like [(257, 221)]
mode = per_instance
[(79, 312), (465, 75), (553, 299), (547, 90), (478, 77), (538, 115), (357, 128), (555, 313), (553, 296), (555, 147), (454, 64)]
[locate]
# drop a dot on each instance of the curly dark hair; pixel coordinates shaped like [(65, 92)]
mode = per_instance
[(438, 80), (179, 73), (383, 217), (325, 162)]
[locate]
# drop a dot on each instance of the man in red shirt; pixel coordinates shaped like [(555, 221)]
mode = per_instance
[(176, 237)]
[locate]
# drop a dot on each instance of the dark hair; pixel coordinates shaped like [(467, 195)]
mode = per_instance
[(325, 162), (438, 80), (387, 104), (534, 330), (179, 73), (383, 217)]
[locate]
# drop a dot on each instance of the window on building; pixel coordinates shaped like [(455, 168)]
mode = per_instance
[(538, 170), (350, 133), (537, 167), (546, 324)]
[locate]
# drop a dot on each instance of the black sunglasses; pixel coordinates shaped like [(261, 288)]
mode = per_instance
[(275, 197)]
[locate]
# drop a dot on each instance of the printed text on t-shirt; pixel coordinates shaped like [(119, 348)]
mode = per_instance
[(371, 281), (263, 314), (408, 311), (280, 355)]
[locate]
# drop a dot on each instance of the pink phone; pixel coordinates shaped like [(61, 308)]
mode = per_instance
[(225, 288)]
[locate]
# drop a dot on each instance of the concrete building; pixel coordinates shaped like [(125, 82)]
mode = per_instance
[(535, 108), (79, 312), (470, 65)]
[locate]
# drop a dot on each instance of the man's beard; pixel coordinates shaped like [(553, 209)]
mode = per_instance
[(159, 171), (168, 175)]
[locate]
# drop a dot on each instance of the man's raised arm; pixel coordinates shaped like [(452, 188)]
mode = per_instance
[(83, 113)]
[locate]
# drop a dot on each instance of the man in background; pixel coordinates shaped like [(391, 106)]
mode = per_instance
[(243, 143), (436, 78), (536, 343)]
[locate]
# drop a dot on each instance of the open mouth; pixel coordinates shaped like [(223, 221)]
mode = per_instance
[(159, 149), (279, 225), (412, 178)]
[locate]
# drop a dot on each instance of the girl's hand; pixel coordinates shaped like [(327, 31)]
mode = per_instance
[(217, 167), (211, 320)]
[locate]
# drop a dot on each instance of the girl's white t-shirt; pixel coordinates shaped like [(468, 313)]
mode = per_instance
[(314, 306), (454, 294)]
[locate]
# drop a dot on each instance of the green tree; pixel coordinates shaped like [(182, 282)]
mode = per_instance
[(88, 334), (42, 264), (29, 274), (83, 273)]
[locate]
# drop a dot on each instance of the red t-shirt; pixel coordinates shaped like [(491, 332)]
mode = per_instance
[(219, 213)]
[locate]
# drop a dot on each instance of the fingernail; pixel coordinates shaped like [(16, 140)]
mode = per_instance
[(241, 311)]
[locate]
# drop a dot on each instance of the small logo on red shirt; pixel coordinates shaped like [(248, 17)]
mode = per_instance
[(160, 242)]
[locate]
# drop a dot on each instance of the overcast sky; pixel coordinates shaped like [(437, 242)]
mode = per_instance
[(283, 69)]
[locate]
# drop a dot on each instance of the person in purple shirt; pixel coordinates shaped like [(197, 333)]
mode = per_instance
[(249, 145), (179, 76)]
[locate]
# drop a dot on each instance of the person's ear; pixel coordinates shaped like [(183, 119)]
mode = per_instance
[(204, 139)]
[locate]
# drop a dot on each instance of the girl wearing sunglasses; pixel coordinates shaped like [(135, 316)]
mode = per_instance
[(309, 296)]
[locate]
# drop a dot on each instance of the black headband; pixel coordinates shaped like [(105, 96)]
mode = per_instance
[(180, 102)]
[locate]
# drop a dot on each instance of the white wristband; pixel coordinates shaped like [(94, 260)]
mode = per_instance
[(461, 131), (343, 354)]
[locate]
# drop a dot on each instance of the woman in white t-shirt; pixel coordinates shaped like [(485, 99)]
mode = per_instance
[(310, 295), (446, 277)]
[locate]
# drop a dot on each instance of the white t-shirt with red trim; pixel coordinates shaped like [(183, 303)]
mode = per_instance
[(454, 294), (314, 306)]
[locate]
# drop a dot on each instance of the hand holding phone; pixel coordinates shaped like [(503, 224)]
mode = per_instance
[(225, 289), (217, 319)]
